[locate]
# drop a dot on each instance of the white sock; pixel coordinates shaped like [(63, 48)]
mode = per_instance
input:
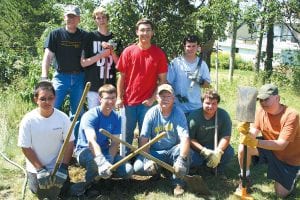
[(247, 172)]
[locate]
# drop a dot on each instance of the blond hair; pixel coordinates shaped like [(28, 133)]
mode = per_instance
[(100, 10)]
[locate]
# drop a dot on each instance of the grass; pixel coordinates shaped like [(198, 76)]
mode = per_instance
[(12, 110)]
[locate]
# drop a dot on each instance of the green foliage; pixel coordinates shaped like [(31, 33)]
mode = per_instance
[(287, 76), (239, 62)]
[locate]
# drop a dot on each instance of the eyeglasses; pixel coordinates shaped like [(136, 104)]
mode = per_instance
[(109, 98), (44, 99), (165, 97)]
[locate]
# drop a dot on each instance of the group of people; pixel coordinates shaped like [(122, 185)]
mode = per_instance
[(145, 77)]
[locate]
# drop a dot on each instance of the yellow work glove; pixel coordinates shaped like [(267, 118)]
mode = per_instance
[(248, 140), (214, 160), (243, 127), (206, 152)]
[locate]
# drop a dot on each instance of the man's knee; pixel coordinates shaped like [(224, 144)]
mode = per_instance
[(281, 191)]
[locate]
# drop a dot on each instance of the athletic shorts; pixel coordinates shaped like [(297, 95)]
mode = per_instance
[(279, 171)]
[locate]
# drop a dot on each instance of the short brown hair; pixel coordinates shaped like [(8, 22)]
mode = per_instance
[(211, 94), (43, 85), (107, 88), (100, 10), (144, 21)]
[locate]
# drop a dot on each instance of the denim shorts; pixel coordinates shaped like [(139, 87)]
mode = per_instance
[(279, 171)]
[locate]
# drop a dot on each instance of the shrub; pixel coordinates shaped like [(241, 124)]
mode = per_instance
[(239, 62)]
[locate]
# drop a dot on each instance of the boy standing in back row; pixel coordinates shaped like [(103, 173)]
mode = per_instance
[(142, 67)]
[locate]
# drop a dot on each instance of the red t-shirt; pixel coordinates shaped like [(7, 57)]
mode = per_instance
[(284, 125), (141, 69)]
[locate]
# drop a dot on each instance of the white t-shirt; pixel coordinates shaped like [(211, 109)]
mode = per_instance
[(44, 136), (178, 76)]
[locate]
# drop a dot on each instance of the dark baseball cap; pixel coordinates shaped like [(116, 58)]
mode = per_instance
[(266, 91), (72, 9)]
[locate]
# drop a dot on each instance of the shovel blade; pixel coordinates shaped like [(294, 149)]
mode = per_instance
[(246, 103), (196, 184)]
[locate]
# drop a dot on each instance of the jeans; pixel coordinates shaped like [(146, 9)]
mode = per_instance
[(134, 114), (168, 156), (198, 160), (72, 84), (86, 159)]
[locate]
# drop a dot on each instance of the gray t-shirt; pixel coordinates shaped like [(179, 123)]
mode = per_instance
[(175, 125)]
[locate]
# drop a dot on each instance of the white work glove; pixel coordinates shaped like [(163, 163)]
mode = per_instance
[(150, 167), (181, 166), (214, 160), (44, 178), (103, 166)]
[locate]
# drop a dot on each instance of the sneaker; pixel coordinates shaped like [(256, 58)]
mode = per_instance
[(178, 191), (151, 168), (248, 184)]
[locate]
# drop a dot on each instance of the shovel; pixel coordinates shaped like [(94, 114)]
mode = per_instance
[(245, 112), (194, 183)]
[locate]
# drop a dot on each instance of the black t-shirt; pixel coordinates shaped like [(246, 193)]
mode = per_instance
[(67, 48), (95, 72)]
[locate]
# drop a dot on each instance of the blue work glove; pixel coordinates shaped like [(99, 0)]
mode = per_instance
[(103, 166), (181, 166), (44, 178), (61, 175)]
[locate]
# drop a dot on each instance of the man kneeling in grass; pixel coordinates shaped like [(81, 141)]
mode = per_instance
[(202, 127), (41, 135), (279, 144), (172, 149)]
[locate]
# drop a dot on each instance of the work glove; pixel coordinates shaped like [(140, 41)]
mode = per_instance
[(181, 166), (44, 178), (150, 167), (248, 140), (206, 153), (103, 166), (243, 127), (60, 176), (214, 160)]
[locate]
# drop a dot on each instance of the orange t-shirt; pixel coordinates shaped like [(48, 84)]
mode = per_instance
[(284, 125)]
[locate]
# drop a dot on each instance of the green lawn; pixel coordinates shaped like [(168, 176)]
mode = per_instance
[(12, 109)]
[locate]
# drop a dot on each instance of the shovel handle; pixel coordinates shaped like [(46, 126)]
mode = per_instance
[(137, 151), (64, 146), (143, 153)]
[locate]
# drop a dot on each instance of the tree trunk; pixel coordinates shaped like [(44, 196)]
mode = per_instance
[(258, 48), (269, 51), (206, 49), (232, 51)]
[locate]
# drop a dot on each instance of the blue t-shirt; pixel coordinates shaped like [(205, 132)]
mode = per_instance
[(175, 125), (179, 72), (67, 48), (94, 118)]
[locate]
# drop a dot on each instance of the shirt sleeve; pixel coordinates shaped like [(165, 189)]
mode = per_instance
[(24, 139), (290, 127), (171, 73)]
